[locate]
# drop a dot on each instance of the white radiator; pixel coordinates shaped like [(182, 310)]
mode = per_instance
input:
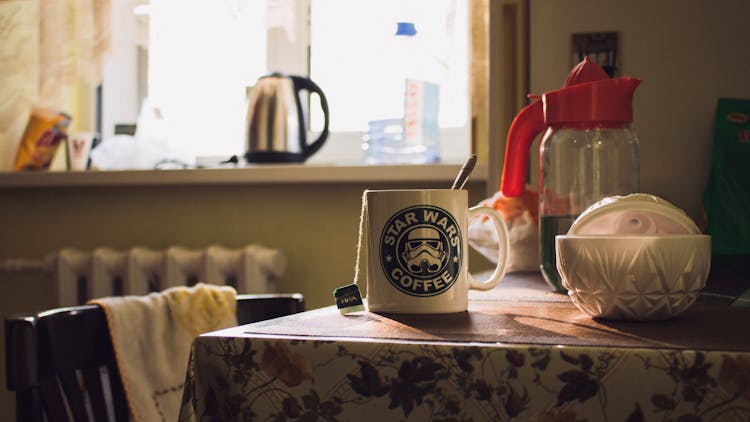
[(82, 275)]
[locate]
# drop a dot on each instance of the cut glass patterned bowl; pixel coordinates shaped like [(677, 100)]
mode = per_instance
[(633, 277)]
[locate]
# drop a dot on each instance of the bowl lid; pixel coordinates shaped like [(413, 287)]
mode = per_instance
[(638, 213)]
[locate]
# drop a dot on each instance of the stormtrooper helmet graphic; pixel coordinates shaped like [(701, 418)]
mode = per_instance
[(424, 253)]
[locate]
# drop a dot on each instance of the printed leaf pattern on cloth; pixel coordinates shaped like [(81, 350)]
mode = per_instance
[(293, 380)]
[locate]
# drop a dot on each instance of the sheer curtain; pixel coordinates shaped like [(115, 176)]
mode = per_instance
[(73, 38), (52, 53)]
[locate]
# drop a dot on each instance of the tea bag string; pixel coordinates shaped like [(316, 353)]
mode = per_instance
[(361, 246)]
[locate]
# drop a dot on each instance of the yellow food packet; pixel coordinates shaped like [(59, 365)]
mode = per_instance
[(44, 132)]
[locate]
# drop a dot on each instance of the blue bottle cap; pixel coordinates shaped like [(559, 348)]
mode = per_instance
[(406, 28)]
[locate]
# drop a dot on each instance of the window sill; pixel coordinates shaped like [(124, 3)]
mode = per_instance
[(250, 175)]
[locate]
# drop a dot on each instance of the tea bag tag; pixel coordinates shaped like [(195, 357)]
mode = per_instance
[(349, 298)]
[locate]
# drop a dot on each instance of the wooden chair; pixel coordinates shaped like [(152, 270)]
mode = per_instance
[(60, 362)]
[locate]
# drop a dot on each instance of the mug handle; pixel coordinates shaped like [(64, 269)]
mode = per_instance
[(302, 83), (503, 242)]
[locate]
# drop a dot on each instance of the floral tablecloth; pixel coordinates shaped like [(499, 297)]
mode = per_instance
[(306, 380), (546, 363)]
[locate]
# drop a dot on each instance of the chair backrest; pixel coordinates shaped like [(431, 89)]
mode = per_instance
[(61, 363), (260, 307)]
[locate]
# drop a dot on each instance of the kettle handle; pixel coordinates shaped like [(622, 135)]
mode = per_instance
[(302, 83), (527, 124)]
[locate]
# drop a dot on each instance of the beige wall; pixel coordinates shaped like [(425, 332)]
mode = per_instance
[(689, 53), (314, 225)]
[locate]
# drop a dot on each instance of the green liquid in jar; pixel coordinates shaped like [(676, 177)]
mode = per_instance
[(549, 227)]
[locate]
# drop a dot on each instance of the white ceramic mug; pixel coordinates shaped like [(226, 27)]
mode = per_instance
[(418, 260)]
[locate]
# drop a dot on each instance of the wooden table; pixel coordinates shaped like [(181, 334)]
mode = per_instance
[(519, 352)]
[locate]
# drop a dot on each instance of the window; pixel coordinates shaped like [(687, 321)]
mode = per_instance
[(200, 56)]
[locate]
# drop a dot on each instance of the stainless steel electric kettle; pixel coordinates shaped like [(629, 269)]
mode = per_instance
[(276, 122)]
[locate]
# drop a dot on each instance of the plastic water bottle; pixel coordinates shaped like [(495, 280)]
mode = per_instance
[(413, 137)]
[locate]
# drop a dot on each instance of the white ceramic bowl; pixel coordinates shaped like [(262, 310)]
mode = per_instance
[(621, 277)]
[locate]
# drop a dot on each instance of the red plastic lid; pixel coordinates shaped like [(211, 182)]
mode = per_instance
[(603, 101), (585, 71)]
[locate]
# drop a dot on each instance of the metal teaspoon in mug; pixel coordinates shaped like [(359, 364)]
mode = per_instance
[(465, 172)]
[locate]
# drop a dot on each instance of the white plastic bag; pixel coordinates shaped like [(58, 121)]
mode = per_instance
[(520, 215), (145, 151)]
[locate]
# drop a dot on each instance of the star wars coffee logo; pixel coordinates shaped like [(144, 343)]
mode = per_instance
[(420, 250)]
